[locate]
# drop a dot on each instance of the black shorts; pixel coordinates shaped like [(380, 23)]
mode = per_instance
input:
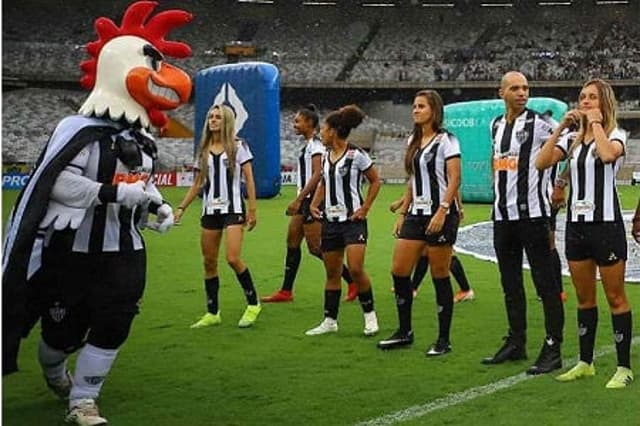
[(604, 242), (217, 222), (338, 235), (305, 211), (415, 228), (76, 291)]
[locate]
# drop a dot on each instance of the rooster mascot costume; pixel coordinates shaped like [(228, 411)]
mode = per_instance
[(74, 256)]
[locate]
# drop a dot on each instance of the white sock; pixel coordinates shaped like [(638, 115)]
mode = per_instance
[(92, 367), (52, 361)]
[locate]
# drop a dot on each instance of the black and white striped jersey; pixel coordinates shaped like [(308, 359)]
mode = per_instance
[(222, 192), (343, 183), (311, 148), (593, 196), (521, 190), (110, 226), (429, 180)]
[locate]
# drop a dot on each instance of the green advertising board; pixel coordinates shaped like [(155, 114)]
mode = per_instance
[(470, 121)]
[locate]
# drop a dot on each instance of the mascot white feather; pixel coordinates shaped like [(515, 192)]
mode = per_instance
[(74, 256)]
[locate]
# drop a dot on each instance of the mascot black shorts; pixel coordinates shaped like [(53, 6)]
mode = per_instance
[(99, 293)]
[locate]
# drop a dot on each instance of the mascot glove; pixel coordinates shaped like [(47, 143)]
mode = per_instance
[(164, 219), (132, 194), (62, 216)]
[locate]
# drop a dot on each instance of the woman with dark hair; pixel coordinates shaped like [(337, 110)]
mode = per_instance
[(222, 159), (344, 225), (595, 235), (429, 217), (302, 224)]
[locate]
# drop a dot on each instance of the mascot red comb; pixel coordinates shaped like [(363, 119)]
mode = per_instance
[(74, 256)]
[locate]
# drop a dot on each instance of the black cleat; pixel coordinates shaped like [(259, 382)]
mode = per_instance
[(440, 347), (549, 359), (397, 340), (508, 352)]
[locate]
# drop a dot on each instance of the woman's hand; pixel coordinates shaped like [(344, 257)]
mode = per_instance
[(593, 115), (398, 225), (558, 198), (360, 214), (315, 212), (394, 206), (294, 207), (571, 118), (437, 222), (177, 215), (251, 220)]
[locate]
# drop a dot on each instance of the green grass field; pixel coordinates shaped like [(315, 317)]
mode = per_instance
[(273, 374)]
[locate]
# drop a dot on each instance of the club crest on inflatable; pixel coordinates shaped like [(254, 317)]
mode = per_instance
[(127, 75)]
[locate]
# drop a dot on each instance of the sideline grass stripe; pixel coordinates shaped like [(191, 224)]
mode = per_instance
[(470, 394)]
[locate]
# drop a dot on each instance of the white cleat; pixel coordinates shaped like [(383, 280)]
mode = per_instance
[(463, 296), (328, 325), (370, 323), (85, 413)]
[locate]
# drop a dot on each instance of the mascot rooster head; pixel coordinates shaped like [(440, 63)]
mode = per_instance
[(127, 75)]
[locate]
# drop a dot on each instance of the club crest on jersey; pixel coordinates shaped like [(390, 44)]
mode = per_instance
[(343, 170), (427, 157), (57, 313), (522, 135), (225, 162)]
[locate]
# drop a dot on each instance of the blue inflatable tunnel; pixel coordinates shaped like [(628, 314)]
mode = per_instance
[(252, 89)]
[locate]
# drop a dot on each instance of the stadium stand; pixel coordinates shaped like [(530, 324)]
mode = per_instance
[(344, 48)]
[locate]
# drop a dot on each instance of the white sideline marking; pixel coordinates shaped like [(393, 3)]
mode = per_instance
[(469, 394)]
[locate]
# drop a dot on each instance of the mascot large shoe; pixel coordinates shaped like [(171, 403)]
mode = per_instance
[(74, 257)]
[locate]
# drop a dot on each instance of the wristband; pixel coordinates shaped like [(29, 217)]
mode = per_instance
[(560, 183), (595, 122), (445, 205)]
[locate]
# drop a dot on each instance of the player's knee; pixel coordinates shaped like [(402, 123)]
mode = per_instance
[(62, 339), (111, 333), (234, 261), (617, 301), (210, 266)]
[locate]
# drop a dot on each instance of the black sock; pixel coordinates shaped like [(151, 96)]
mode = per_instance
[(211, 286), (458, 273), (444, 299), (556, 266), (247, 285), (419, 272), (332, 303), (366, 300), (291, 267), (622, 336), (404, 301), (587, 326), (346, 275)]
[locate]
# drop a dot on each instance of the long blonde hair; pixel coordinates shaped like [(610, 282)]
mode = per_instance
[(227, 136), (608, 107)]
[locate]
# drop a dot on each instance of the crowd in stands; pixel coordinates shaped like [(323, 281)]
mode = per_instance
[(333, 46)]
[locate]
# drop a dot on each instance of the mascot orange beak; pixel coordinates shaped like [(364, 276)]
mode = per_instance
[(162, 90)]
